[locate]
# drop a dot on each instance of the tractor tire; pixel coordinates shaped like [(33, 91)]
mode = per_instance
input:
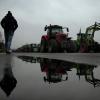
[(43, 46), (52, 46), (83, 48), (63, 47), (96, 47), (71, 46)]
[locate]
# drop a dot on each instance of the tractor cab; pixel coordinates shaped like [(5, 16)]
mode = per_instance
[(83, 36), (80, 36), (52, 30), (53, 77)]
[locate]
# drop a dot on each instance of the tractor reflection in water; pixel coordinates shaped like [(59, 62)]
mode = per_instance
[(87, 72), (57, 70)]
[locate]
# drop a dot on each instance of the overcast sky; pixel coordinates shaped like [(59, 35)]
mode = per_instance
[(33, 15)]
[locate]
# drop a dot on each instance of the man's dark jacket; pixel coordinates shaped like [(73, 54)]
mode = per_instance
[(9, 23)]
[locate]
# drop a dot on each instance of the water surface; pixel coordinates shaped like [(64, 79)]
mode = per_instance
[(31, 78)]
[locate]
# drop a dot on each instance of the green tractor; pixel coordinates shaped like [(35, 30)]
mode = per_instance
[(86, 42)]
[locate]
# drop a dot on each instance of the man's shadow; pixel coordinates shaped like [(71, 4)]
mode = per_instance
[(8, 82)]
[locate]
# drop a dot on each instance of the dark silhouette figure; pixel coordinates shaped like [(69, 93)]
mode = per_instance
[(9, 25), (8, 83)]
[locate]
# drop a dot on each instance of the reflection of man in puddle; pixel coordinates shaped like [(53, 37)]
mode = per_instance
[(8, 82)]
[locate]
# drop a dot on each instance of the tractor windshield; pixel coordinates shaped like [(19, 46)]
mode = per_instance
[(57, 30)]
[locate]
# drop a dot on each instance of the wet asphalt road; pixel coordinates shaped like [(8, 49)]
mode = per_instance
[(86, 58)]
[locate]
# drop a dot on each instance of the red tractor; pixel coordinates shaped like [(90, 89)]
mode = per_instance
[(56, 40)]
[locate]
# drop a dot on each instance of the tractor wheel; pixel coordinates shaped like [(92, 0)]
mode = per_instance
[(83, 48), (71, 46), (63, 47), (52, 46), (43, 45), (64, 51), (96, 47)]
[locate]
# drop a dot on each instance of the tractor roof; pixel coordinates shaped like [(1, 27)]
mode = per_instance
[(54, 26), (82, 34)]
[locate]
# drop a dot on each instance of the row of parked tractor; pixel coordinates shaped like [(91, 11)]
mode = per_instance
[(57, 41)]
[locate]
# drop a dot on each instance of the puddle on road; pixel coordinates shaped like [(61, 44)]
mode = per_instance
[(31, 78)]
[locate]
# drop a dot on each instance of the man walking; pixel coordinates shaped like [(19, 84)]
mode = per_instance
[(9, 25)]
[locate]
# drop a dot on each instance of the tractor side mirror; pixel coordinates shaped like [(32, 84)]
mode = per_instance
[(45, 28), (67, 29)]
